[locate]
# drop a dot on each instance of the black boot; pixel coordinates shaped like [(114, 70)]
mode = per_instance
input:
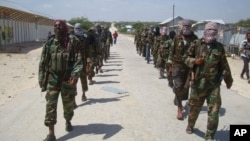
[(50, 138), (68, 126), (84, 98)]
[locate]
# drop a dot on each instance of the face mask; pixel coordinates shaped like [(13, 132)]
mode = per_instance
[(186, 30), (210, 36), (78, 29)]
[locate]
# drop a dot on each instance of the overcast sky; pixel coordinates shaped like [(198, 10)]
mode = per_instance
[(230, 11)]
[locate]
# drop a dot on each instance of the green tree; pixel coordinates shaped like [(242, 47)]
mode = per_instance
[(245, 23), (138, 25), (84, 21)]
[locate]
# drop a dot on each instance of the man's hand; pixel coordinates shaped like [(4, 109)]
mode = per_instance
[(199, 61), (72, 80)]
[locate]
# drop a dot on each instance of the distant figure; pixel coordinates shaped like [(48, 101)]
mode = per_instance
[(245, 54), (49, 34), (115, 35)]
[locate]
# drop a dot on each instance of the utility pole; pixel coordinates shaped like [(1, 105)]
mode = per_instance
[(173, 15)]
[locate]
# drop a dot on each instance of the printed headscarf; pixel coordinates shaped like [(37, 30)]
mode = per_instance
[(78, 29), (210, 32), (186, 27), (61, 29)]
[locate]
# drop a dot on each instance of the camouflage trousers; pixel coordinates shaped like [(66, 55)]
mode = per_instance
[(99, 59), (179, 76), (155, 56), (106, 52), (196, 101), (52, 95), (90, 68), (84, 82)]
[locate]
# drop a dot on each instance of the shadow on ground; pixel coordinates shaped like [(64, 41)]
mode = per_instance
[(220, 135), (91, 101), (106, 75), (108, 130), (107, 70)]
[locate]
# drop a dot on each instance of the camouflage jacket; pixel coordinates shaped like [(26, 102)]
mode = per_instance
[(156, 46), (59, 63), (215, 67), (165, 47), (92, 45), (179, 47)]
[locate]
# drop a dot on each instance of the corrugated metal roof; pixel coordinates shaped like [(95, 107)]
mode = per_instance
[(168, 20), (12, 11), (219, 21), (14, 5)]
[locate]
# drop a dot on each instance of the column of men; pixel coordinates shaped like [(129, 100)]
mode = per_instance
[(66, 57), (190, 63)]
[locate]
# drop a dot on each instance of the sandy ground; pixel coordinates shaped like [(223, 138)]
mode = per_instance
[(19, 70)]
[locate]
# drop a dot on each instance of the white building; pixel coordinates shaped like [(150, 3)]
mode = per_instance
[(18, 24)]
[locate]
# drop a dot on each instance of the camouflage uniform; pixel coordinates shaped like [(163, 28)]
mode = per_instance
[(100, 38), (59, 69), (180, 71), (155, 49), (149, 43), (58, 76), (108, 42), (81, 37), (144, 42), (206, 80), (167, 47), (162, 55), (83, 76), (91, 55), (138, 42)]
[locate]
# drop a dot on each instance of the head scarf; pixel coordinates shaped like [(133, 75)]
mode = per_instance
[(210, 32), (186, 27), (63, 27), (61, 30), (78, 29), (157, 30), (172, 34)]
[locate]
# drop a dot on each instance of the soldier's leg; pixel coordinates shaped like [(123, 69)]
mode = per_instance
[(144, 51), (179, 90), (160, 66), (101, 60), (214, 104), (108, 51), (67, 94), (91, 73), (84, 83), (105, 53), (169, 75), (51, 104), (51, 109), (196, 102), (147, 53), (155, 59)]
